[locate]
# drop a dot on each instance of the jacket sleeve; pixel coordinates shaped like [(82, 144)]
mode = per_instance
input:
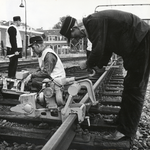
[(12, 37), (49, 64), (97, 31)]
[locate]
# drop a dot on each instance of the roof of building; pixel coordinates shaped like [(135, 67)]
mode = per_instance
[(51, 32), (31, 30)]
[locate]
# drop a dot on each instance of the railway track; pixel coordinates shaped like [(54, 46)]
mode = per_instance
[(34, 63), (21, 131), (89, 134)]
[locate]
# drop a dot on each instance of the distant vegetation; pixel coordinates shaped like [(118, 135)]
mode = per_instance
[(61, 20)]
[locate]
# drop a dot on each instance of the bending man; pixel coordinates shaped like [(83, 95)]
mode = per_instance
[(129, 37)]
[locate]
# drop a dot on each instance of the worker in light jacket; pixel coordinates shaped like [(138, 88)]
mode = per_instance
[(50, 65), (14, 46), (128, 36)]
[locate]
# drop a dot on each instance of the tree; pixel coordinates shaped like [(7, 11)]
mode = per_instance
[(59, 24)]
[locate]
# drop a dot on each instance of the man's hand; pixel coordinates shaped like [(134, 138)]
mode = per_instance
[(12, 55), (83, 65), (91, 72), (16, 53), (27, 79)]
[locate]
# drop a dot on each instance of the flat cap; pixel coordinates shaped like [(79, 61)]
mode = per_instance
[(16, 18), (35, 39), (66, 27)]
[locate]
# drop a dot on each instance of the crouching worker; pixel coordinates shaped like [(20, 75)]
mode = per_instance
[(50, 65)]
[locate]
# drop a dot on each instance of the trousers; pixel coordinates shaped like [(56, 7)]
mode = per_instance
[(135, 86), (12, 68)]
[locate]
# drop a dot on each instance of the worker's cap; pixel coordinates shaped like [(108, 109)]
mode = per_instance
[(67, 25), (16, 18), (35, 39)]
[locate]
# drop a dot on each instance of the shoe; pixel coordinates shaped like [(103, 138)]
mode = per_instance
[(114, 136)]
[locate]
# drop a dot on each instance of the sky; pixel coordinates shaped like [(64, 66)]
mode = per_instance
[(46, 13)]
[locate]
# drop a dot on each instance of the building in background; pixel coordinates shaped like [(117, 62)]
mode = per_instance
[(56, 41), (59, 43), (52, 38)]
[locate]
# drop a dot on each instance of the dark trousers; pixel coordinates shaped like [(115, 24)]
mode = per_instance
[(135, 85), (12, 68), (88, 53)]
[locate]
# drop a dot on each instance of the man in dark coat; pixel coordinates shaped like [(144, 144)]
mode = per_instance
[(129, 37)]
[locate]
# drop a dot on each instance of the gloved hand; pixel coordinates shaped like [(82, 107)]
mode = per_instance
[(27, 79), (91, 72), (83, 65), (16, 53)]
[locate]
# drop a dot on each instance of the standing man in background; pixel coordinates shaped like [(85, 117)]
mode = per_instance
[(14, 46)]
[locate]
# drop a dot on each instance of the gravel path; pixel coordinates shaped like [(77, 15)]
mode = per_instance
[(142, 140)]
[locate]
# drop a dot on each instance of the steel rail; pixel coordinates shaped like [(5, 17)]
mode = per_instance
[(63, 137), (36, 60), (4, 65), (85, 98), (57, 141)]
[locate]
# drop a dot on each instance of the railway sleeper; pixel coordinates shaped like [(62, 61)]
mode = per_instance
[(93, 140), (103, 114)]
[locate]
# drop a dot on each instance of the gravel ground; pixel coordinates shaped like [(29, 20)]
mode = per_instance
[(142, 140)]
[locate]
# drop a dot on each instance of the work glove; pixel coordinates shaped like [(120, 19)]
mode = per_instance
[(83, 65), (16, 53), (27, 79)]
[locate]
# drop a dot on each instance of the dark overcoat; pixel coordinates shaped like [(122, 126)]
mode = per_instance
[(128, 36), (115, 31)]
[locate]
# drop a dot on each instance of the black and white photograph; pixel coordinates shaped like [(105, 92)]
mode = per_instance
[(74, 74)]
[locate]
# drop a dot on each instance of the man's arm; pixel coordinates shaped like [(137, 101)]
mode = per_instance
[(12, 37), (97, 30), (49, 64)]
